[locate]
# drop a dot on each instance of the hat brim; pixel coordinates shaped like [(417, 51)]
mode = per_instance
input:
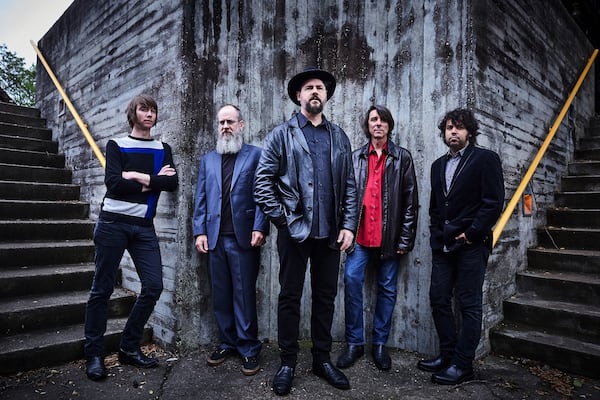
[(295, 84)]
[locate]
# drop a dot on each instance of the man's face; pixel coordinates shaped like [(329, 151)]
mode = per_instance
[(312, 96), (455, 136), (229, 123), (378, 128), (145, 116)]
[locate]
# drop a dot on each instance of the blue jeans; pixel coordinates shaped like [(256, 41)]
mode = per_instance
[(354, 278), (111, 239), (459, 274), (233, 272)]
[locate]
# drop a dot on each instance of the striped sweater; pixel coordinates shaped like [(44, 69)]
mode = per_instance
[(124, 200)]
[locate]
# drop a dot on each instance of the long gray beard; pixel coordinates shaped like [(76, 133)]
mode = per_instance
[(229, 146)]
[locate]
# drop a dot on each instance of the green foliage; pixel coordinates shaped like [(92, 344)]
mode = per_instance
[(17, 80)]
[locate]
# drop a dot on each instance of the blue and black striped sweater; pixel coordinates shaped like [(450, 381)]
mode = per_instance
[(124, 200)]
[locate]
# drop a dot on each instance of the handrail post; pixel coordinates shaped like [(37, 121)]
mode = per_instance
[(71, 108), (521, 188)]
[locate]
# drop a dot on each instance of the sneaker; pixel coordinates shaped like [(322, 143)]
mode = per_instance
[(219, 355), (249, 366)]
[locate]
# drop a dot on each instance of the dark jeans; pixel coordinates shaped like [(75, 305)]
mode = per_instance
[(233, 273), (463, 272), (112, 239), (324, 268)]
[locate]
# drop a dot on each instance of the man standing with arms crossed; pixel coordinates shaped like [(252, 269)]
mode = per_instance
[(305, 185), (138, 169), (467, 195), (229, 226)]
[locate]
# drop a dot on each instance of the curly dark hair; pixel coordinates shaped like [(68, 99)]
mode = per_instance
[(462, 118), (384, 114)]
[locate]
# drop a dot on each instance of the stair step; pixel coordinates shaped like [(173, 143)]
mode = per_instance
[(22, 143), (25, 131), (11, 231), (20, 110), (554, 285), (582, 261), (584, 168), (573, 218), (589, 142), (46, 253), (34, 158), (13, 172), (48, 310), (38, 191), (24, 120), (558, 351), (49, 347), (569, 238), (586, 200), (557, 317), (30, 209), (587, 154), (46, 279), (580, 183)]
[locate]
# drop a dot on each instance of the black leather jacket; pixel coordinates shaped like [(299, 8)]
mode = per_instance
[(283, 184), (400, 197)]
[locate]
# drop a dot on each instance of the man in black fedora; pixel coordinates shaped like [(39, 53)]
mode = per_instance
[(305, 185)]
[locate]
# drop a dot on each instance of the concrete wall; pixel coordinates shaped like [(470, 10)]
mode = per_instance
[(511, 62)]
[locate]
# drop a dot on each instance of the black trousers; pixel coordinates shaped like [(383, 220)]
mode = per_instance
[(324, 268), (461, 274)]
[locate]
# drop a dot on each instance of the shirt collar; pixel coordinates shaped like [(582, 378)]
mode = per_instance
[(303, 121), (384, 150), (460, 153)]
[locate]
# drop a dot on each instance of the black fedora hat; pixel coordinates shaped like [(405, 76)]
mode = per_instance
[(297, 81)]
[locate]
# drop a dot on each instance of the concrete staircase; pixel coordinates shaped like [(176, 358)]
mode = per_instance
[(46, 251), (555, 315)]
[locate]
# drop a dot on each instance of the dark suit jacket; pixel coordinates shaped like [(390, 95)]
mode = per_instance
[(472, 204), (247, 217)]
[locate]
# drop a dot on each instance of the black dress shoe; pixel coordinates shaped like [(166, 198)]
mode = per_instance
[(381, 357), (94, 368), (350, 355), (434, 365), (452, 375), (331, 374), (282, 382), (137, 359)]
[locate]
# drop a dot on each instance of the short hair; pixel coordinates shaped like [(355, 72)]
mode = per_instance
[(236, 108), (144, 100), (462, 118), (384, 114)]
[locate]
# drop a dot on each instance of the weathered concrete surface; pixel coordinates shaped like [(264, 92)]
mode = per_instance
[(513, 62)]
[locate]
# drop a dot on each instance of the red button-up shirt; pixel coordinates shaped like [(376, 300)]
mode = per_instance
[(370, 229)]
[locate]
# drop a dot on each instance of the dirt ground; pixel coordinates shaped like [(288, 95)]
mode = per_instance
[(188, 377)]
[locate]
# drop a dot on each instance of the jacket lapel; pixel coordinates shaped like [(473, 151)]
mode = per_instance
[(240, 160)]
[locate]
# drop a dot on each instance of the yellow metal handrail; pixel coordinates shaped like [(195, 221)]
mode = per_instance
[(71, 108), (521, 188)]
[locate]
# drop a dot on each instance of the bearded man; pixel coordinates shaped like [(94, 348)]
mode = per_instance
[(230, 228)]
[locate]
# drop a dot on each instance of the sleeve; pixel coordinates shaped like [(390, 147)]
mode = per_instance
[(350, 200), (492, 198), (165, 182), (113, 174), (410, 201), (199, 216), (267, 171)]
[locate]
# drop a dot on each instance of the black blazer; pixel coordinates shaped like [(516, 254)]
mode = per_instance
[(472, 204)]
